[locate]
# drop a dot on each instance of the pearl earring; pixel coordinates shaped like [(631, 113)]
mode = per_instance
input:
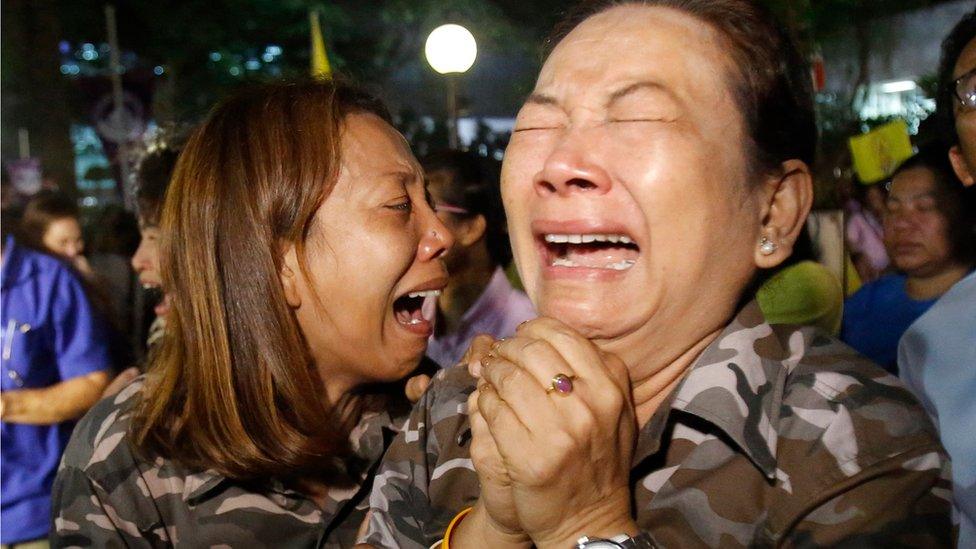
[(767, 246)]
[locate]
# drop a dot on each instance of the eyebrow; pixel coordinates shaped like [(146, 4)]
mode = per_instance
[(637, 86), (914, 196), (537, 98)]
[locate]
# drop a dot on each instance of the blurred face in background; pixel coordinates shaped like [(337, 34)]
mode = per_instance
[(145, 262), (63, 237), (963, 155), (916, 230), (468, 230)]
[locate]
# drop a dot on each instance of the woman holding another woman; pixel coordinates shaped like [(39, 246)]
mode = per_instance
[(298, 250)]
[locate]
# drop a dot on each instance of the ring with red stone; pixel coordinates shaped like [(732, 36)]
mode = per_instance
[(561, 383)]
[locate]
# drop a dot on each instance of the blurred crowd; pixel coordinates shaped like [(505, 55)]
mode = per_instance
[(86, 297)]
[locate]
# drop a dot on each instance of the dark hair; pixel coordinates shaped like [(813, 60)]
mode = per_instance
[(961, 35), (771, 80), (153, 173), (474, 186), (115, 230), (44, 208), (233, 387), (956, 202)]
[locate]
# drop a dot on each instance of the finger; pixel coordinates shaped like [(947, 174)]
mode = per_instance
[(537, 357), (585, 357), (479, 348), (498, 413), (523, 394), (484, 452), (512, 442), (416, 386)]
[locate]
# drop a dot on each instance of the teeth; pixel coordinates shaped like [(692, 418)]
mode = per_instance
[(427, 293), (619, 266), (563, 262), (622, 265), (587, 238)]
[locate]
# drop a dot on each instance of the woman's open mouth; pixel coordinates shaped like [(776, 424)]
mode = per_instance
[(414, 311), (609, 252), (156, 296)]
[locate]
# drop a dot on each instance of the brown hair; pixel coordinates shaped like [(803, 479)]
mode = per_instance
[(233, 388), (772, 87), (44, 208)]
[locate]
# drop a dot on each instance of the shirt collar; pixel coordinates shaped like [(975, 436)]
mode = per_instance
[(736, 384)]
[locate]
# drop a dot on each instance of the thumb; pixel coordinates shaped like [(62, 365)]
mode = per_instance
[(416, 386)]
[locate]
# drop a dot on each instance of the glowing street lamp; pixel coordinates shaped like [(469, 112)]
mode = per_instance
[(451, 50)]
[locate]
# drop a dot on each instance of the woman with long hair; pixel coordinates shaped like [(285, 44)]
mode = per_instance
[(298, 249)]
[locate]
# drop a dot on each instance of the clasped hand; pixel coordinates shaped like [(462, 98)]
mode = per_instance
[(553, 465)]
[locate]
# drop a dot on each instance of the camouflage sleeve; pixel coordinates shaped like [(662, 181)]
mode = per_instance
[(82, 518), (904, 501), (406, 510)]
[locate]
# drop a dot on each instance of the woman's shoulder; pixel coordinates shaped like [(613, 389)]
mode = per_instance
[(440, 415), (100, 437), (843, 404), (449, 391)]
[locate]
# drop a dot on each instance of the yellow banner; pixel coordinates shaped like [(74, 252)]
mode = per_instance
[(877, 153)]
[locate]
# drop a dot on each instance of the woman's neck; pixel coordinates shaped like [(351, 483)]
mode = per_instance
[(922, 288), (654, 379)]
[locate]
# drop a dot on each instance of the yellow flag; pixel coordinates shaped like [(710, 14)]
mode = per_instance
[(320, 61), (877, 153)]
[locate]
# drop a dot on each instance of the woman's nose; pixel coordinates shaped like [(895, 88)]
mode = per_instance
[(139, 259), (571, 168), (436, 238)]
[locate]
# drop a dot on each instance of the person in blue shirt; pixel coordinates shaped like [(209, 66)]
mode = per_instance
[(937, 355), (924, 226), (55, 365)]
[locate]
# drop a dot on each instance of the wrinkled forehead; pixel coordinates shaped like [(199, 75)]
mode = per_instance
[(635, 43), (369, 144)]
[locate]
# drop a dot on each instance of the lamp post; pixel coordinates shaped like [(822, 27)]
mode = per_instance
[(451, 50)]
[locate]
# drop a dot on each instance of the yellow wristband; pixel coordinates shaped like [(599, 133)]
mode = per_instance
[(446, 544)]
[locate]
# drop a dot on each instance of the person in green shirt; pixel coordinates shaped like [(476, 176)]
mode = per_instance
[(803, 292)]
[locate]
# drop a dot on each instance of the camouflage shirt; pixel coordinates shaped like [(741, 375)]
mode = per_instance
[(105, 496), (777, 436)]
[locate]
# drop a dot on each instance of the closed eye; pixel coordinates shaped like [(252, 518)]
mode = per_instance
[(533, 129), (404, 205), (617, 120)]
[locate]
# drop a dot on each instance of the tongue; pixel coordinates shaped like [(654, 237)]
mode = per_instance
[(409, 316), (599, 256)]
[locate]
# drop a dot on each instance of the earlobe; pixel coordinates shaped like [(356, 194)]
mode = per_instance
[(789, 197), (289, 277), (959, 165), (474, 230)]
